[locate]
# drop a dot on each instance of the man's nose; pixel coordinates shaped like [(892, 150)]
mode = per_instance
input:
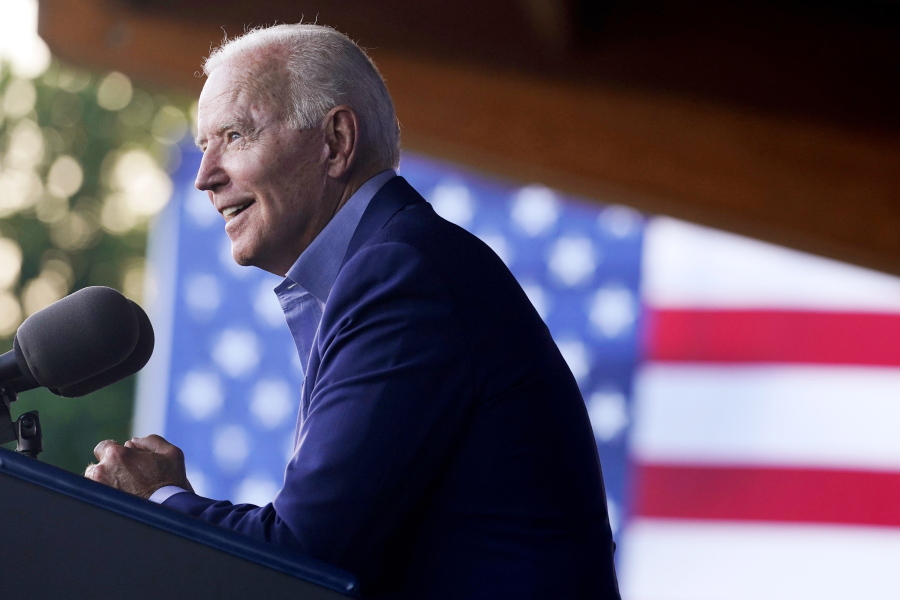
[(211, 175)]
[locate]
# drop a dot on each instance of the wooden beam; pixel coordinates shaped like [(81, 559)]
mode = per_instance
[(804, 185), (807, 184)]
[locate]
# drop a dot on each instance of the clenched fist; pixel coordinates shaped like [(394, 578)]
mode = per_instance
[(140, 466)]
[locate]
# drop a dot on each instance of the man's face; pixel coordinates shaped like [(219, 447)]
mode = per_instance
[(266, 179)]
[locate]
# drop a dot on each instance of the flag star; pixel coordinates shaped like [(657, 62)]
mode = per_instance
[(200, 394), (620, 221), (535, 209), (256, 490), (572, 259), (453, 201), (231, 447), (576, 355), (271, 402), (608, 414), (613, 310), (202, 295), (236, 352)]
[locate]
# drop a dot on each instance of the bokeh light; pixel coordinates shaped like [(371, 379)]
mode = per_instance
[(19, 98), (75, 231), (169, 125), (70, 80), (10, 314), (51, 209), (18, 190), (43, 290), (10, 262), (25, 147), (114, 92), (57, 263), (140, 189), (65, 177)]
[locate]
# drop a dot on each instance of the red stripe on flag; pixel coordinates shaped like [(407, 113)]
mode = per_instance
[(773, 336), (767, 494)]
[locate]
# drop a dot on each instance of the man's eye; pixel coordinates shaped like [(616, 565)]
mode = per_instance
[(234, 136)]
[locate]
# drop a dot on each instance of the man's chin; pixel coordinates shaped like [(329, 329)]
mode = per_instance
[(242, 257), (242, 261)]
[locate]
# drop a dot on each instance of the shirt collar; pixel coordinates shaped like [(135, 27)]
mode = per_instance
[(317, 267)]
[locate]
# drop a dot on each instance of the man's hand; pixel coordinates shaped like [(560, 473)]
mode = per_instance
[(140, 466)]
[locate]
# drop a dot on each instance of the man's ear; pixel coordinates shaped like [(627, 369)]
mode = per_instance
[(342, 138)]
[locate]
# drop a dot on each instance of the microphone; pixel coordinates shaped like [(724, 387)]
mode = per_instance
[(88, 340), (131, 365)]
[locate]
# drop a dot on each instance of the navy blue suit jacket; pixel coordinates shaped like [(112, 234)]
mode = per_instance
[(444, 450)]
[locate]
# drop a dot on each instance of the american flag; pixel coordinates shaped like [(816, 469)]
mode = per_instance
[(745, 398)]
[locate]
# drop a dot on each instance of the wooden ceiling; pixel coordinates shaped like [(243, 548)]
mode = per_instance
[(779, 120)]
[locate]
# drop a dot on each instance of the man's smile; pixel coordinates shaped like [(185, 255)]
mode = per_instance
[(232, 211)]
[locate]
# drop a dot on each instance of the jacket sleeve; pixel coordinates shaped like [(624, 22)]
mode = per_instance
[(389, 400)]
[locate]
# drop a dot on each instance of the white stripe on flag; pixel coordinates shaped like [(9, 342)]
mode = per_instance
[(768, 415), (693, 560), (687, 265)]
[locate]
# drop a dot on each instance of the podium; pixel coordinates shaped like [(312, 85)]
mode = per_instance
[(64, 536)]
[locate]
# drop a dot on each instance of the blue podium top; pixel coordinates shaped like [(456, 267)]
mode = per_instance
[(84, 490)]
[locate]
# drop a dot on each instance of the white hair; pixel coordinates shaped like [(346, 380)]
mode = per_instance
[(324, 69)]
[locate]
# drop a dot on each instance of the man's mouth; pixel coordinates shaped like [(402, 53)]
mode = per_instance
[(233, 211)]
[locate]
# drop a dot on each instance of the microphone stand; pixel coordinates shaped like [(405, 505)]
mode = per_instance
[(26, 430)]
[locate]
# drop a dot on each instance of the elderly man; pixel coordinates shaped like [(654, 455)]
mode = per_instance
[(442, 447)]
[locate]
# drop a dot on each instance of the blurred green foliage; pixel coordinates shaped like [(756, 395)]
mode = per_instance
[(83, 164)]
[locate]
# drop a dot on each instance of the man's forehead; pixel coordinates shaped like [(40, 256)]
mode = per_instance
[(237, 89), (221, 109), (224, 88)]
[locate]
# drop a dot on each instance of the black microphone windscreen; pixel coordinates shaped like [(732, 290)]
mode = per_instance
[(83, 335), (131, 365)]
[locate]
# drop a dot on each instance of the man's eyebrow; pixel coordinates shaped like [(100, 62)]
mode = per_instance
[(242, 124)]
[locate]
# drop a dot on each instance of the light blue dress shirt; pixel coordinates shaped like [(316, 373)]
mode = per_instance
[(304, 291)]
